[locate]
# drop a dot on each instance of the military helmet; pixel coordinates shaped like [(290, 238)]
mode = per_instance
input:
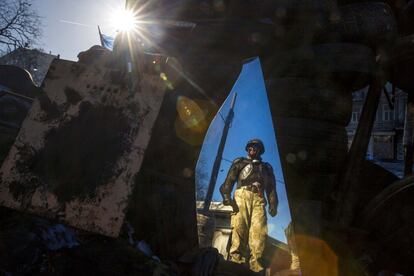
[(256, 142)]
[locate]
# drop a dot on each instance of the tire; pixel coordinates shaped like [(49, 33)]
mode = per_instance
[(348, 65), (371, 23), (403, 63), (301, 98), (370, 186), (331, 65), (309, 5), (298, 23), (406, 19), (308, 186), (388, 218), (307, 145)]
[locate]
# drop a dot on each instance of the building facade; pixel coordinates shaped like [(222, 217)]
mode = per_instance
[(386, 141), (34, 61)]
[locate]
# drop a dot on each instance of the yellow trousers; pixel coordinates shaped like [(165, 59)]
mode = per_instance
[(249, 229)]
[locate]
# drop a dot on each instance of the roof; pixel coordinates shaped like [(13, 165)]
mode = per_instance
[(217, 207), (34, 61), (24, 51)]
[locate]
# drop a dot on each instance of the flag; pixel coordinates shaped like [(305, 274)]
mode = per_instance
[(106, 40)]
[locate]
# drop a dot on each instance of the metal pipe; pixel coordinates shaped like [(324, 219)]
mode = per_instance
[(217, 161), (356, 156), (408, 138)]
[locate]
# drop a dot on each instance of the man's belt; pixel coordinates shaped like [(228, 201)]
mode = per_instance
[(254, 188)]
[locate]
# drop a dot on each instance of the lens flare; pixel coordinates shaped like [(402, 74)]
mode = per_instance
[(191, 114), (194, 117), (124, 20)]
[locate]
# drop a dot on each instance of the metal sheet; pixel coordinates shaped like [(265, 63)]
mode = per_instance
[(81, 145)]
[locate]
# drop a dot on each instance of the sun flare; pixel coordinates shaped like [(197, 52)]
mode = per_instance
[(124, 20)]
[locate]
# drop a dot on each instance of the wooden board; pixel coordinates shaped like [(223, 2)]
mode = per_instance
[(81, 145)]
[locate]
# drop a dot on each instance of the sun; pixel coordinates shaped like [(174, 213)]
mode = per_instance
[(124, 20)]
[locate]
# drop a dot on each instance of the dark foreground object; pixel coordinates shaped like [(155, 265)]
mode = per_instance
[(31, 245)]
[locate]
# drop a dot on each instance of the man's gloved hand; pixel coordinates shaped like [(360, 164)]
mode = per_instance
[(272, 211)]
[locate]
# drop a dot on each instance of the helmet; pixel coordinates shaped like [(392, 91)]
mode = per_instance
[(256, 142)]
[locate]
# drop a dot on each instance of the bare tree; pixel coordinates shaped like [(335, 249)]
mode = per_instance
[(19, 25)]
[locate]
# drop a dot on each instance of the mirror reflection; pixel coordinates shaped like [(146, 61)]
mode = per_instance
[(240, 190)]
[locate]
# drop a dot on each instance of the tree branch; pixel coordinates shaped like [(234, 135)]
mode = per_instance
[(19, 24)]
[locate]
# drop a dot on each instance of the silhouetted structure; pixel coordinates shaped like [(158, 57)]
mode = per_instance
[(34, 61)]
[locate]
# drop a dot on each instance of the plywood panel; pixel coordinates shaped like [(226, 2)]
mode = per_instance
[(83, 142)]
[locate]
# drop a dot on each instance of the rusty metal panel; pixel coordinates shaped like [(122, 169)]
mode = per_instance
[(81, 145)]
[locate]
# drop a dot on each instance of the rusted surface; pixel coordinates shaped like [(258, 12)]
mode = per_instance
[(79, 149)]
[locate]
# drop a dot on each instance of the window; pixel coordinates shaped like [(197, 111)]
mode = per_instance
[(387, 113), (355, 116)]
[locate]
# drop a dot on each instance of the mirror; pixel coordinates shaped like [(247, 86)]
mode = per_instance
[(252, 119)]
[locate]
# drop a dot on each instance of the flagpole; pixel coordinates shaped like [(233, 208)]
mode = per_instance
[(217, 161), (100, 36)]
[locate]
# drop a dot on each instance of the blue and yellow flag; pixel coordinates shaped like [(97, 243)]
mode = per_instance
[(106, 40)]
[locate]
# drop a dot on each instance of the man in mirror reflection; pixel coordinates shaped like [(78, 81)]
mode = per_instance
[(254, 178)]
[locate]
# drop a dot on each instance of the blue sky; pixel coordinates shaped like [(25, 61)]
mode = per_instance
[(70, 26), (252, 119)]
